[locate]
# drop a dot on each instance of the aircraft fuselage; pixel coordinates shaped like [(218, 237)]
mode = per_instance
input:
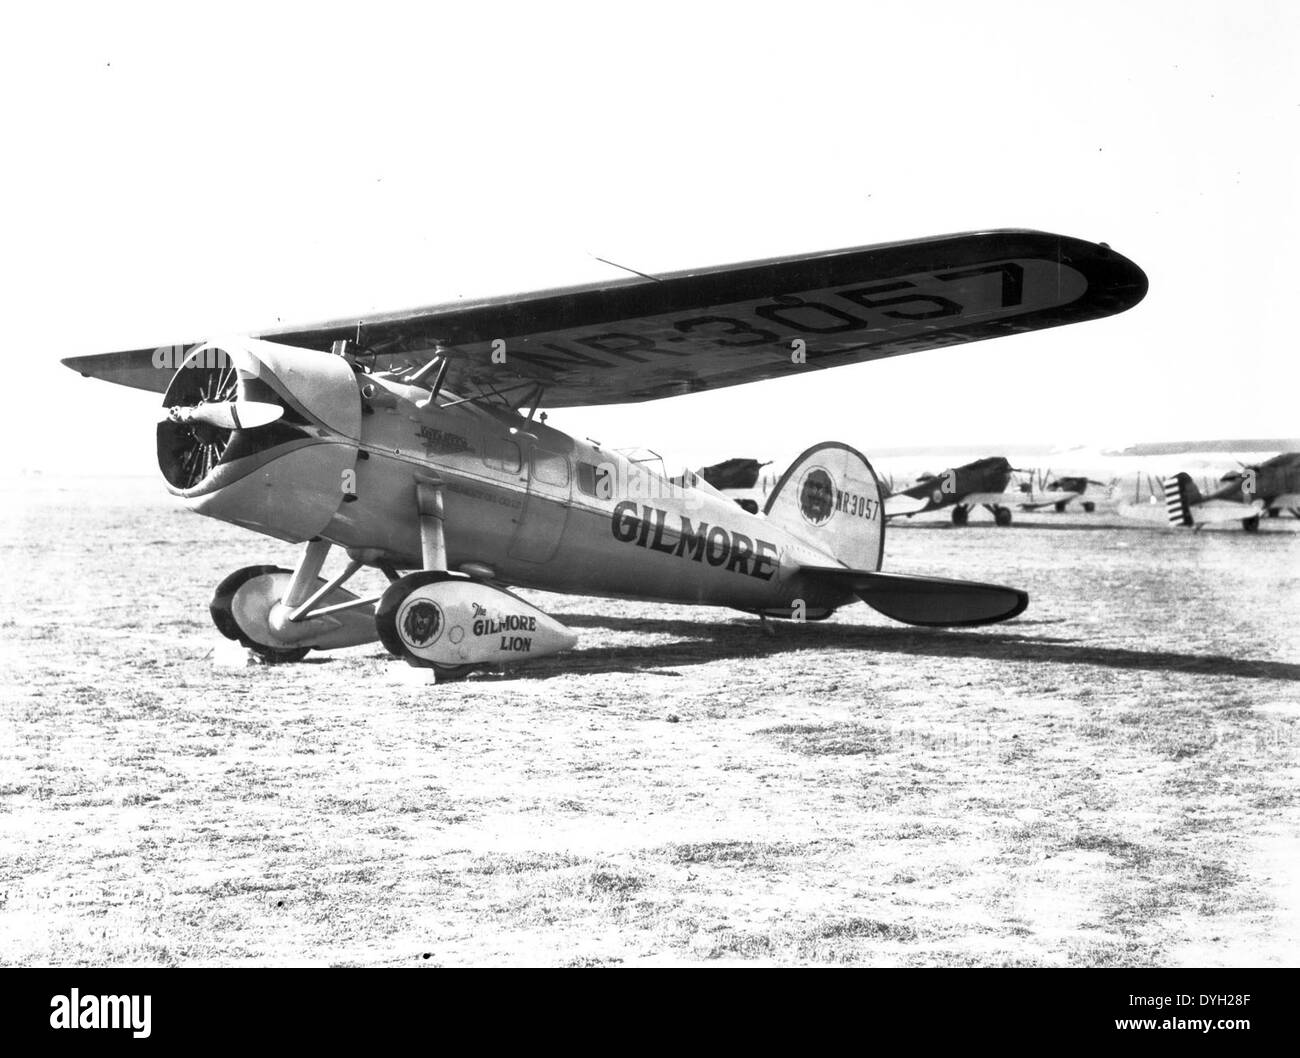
[(988, 475), (1279, 476), (525, 505)]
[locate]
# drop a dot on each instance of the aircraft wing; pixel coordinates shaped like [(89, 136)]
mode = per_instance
[(1031, 500), (991, 499), (1286, 502), (1214, 512), (639, 339), (900, 504)]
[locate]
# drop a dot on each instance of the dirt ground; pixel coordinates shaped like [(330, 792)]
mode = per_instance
[(1109, 780)]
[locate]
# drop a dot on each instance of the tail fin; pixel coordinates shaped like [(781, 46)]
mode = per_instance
[(1180, 494), (831, 498)]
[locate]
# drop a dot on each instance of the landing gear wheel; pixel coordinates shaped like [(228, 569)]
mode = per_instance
[(1060, 507), (394, 636), (242, 615), (1251, 525), (960, 515), (1002, 516), (1089, 506)]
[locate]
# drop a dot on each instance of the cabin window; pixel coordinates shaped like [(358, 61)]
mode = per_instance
[(501, 454), (596, 480), (550, 468)]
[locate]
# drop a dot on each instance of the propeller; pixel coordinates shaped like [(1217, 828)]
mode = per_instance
[(227, 415), (1026, 487)]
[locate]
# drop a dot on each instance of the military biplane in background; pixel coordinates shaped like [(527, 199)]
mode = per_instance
[(1243, 495), (1204, 482), (413, 442), (982, 483), (1044, 489)]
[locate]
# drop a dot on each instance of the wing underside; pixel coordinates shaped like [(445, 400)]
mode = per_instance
[(633, 340), (1032, 500)]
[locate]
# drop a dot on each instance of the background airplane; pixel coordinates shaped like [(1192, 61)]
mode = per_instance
[(1124, 478), (982, 483), (1043, 489), (743, 480), (1270, 487)]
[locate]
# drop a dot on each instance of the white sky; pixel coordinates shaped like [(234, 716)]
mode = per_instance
[(169, 173)]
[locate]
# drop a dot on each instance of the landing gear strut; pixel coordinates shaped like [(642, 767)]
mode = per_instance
[(402, 628), (280, 615), (451, 622)]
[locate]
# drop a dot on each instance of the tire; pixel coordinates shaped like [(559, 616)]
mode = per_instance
[(1251, 525), (1001, 516), (223, 616), (960, 515), (386, 624)]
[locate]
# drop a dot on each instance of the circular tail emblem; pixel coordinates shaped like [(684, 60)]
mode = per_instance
[(816, 496), (421, 623)]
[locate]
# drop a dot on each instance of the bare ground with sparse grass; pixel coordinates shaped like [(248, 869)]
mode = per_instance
[(1109, 780)]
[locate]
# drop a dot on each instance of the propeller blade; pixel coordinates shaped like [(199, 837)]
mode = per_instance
[(232, 415)]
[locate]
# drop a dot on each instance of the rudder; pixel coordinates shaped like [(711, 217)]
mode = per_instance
[(1180, 493), (831, 498)]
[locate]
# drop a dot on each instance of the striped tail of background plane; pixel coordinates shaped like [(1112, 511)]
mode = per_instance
[(1180, 493)]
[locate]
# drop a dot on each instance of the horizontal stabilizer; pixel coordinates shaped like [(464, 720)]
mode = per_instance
[(932, 601)]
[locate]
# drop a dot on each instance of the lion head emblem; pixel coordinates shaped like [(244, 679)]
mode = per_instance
[(816, 496), (421, 623)]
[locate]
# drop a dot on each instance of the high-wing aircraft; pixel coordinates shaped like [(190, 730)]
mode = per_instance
[(413, 442), (982, 483), (1243, 495)]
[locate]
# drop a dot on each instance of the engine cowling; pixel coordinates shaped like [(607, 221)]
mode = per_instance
[(261, 434)]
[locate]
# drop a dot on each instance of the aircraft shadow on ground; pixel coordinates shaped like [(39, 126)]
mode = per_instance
[(1135, 526), (702, 642)]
